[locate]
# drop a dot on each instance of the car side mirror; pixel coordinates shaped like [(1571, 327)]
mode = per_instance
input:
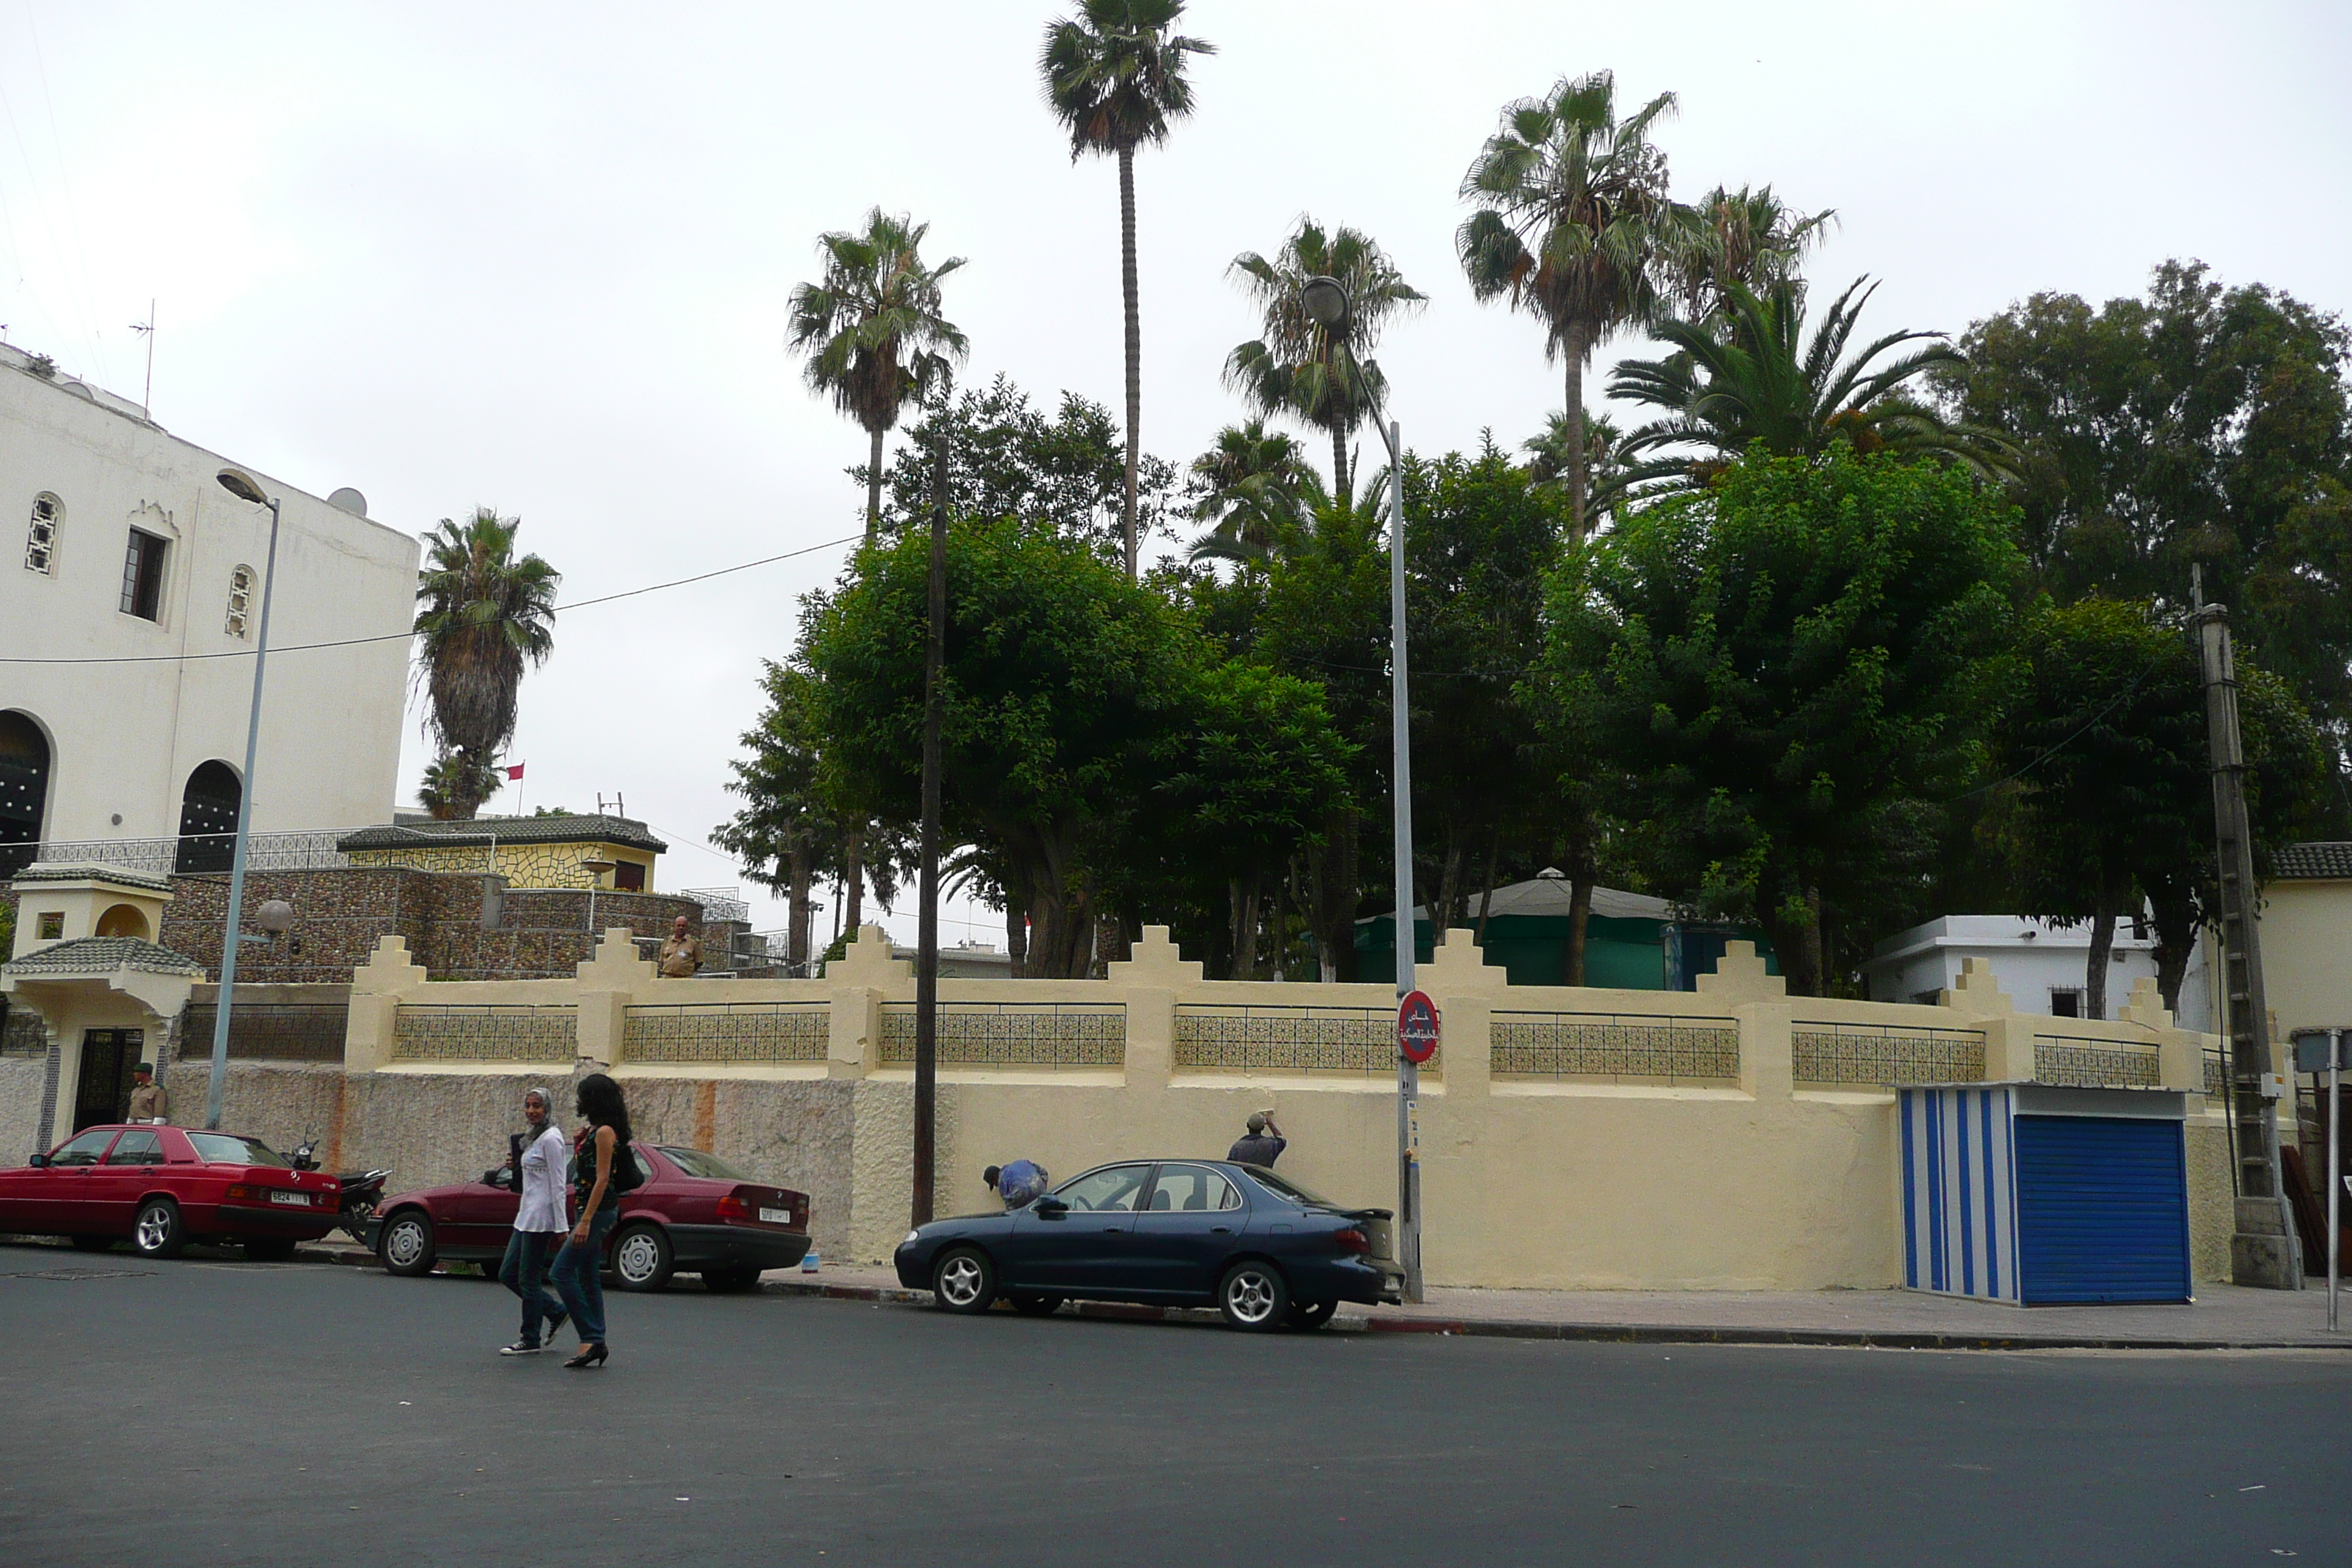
[(501, 1177), (1051, 1208), (37, 1160)]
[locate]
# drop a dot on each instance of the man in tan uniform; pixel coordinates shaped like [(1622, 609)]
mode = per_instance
[(148, 1100), (682, 954)]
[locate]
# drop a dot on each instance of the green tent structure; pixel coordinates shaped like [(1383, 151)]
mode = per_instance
[(1633, 941)]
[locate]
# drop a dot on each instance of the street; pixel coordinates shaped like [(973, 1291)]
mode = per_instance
[(210, 1410)]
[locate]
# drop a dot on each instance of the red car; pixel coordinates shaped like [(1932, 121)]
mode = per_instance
[(163, 1187), (695, 1215)]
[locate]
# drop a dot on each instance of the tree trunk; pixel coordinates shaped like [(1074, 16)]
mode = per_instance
[(874, 489), (1335, 895), (1016, 936), (1449, 884), (796, 938), (1339, 491), (1578, 343), (1486, 899), (853, 874), (2103, 945), (1242, 894), (1797, 942), (1582, 872), (1134, 347), (2176, 945)]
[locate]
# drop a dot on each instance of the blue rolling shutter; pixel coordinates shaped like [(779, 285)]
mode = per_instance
[(2103, 1210)]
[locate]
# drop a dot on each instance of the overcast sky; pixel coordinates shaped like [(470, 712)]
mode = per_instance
[(537, 257)]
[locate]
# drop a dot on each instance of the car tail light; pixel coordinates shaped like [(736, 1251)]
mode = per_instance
[(1351, 1240), (733, 1207)]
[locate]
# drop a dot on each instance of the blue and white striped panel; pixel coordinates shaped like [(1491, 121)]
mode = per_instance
[(1959, 1191)]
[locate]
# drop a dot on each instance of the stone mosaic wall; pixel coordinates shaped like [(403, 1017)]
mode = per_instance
[(523, 864)]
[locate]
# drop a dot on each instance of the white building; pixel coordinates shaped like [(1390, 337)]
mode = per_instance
[(2040, 967), (117, 543)]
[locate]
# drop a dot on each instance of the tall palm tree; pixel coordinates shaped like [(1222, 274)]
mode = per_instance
[(1300, 366), (1115, 78), (1572, 226), (483, 618), (1745, 236), (1255, 490), (872, 329), (1752, 375)]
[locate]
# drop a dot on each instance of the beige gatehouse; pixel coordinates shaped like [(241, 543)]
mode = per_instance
[(1732, 1137)]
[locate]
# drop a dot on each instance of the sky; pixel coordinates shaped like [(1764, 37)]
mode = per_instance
[(537, 257)]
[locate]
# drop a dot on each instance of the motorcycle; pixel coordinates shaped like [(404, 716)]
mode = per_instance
[(362, 1190)]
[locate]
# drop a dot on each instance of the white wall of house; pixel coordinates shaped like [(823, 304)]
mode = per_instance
[(124, 737), (2038, 965)]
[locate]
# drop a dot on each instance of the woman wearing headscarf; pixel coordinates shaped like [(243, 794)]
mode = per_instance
[(540, 1223), (601, 1169)]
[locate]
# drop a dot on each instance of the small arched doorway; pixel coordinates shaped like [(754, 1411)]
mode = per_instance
[(24, 791), (208, 820), (125, 920)]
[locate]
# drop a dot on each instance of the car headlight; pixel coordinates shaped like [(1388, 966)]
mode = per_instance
[(912, 1236)]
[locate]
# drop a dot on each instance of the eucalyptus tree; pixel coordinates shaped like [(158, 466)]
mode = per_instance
[(1115, 78), (1751, 374), (1253, 490), (1572, 226), (1300, 366), (873, 332), (484, 617)]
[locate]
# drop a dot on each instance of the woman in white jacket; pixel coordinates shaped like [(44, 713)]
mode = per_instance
[(540, 1226)]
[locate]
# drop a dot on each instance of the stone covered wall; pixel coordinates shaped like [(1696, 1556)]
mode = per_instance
[(523, 865)]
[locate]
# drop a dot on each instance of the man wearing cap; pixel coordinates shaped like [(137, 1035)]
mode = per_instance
[(148, 1100), (1262, 1145)]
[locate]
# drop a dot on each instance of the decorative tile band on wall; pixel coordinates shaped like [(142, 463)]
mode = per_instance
[(1880, 1056), (1613, 1046), (488, 1032), (2097, 1063), (1287, 1038), (269, 1031), (1014, 1034), (727, 1032)]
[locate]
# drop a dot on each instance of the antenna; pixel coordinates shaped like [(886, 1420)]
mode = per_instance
[(146, 328)]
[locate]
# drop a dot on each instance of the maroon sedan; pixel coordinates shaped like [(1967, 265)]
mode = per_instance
[(163, 1187), (695, 1215)]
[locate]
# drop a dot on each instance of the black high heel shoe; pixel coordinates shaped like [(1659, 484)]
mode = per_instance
[(590, 1357)]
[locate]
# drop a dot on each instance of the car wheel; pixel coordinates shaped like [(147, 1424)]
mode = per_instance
[(642, 1259), (157, 1231), (965, 1281), (1309, 1315), (406, 1246), (739, 1277), (93, 1243), (1034, 1304), (269, 1249), (1254, 1296)]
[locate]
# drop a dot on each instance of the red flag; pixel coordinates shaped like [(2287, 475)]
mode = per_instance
[(514, 772)]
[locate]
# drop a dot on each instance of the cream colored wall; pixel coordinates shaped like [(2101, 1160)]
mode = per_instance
[(80, 906), (523, 864), (2307, 931)]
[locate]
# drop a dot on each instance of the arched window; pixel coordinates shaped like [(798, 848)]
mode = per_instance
[(208, 820), (24, 791), (124, 920), (240, 599), (41, 537)]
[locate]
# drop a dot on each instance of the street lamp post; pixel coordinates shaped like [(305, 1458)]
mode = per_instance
[(242, 486), (1326, 300)]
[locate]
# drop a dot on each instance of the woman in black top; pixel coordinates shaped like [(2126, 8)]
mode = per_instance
[(579, 1268)]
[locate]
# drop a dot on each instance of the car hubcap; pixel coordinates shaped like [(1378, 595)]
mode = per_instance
[(405, 1245), (638, 1258), (1251, 1298), (154, 1228), (959, 1281)]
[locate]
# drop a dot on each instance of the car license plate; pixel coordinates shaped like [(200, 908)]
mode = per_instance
[(775, 1216), (297, 1200)]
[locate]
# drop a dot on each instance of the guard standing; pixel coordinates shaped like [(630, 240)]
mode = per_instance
[(148, 1100)]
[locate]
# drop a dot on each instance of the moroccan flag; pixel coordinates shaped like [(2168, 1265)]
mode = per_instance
[(514, 772)]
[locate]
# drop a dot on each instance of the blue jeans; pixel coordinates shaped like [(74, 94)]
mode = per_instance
[(529, 1252), (579, 1274)]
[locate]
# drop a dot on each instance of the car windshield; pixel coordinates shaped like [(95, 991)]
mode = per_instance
[(228, 1149), (695, 1163), (1290, 1191)]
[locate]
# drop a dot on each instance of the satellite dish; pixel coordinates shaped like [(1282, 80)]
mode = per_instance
[(350, 500)]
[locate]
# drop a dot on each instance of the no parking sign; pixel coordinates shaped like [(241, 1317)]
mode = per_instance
[(1417, 1027)]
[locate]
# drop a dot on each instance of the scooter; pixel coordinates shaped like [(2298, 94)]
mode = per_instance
[(362, 1190)]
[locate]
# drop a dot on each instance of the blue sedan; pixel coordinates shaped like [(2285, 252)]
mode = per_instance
[(1268, 1253)]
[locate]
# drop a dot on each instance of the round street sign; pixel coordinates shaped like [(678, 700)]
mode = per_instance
[(1417, 1027)]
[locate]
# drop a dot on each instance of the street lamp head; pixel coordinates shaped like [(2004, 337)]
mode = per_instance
[(238, 483), (1326, 300)]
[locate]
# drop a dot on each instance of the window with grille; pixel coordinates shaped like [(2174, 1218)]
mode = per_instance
[(240, 599), (142, 576), (41, 538)]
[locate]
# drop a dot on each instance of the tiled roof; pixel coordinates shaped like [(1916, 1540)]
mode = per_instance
[(89, 871), (481, 831), (102, 955), (2315, 862)]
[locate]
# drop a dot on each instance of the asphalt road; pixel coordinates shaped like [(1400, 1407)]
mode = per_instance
[(211, 1411)]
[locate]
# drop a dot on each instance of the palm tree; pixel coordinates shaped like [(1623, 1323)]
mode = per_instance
[(1115, 78), (1572, 223), (482, 618), (1752, 377), (454, 785), (1300, 366), (872, 329), (1255, 490), (1744, 236)]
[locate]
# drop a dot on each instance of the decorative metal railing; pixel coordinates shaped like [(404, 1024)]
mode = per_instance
[(2216, 1072), (2093, 1063), (1648, 1047), (1014, 1034), (1880, 1056), (1213, 1038), (22, 1033), (727, 1032), (719, 903), (196, 853), (487, 1032), (269, 1031)]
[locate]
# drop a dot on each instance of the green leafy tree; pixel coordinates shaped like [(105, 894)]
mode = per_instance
[(1114, 79), (1789, 671), (791, 830), (483, 617), (872, 331), (1572, 225), (1297, 366)]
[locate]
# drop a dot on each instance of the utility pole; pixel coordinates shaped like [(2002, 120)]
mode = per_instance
[(2263, 1244), (927, 939)]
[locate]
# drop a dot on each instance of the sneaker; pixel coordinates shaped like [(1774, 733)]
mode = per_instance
[(521, 1347), (555, 1324)]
